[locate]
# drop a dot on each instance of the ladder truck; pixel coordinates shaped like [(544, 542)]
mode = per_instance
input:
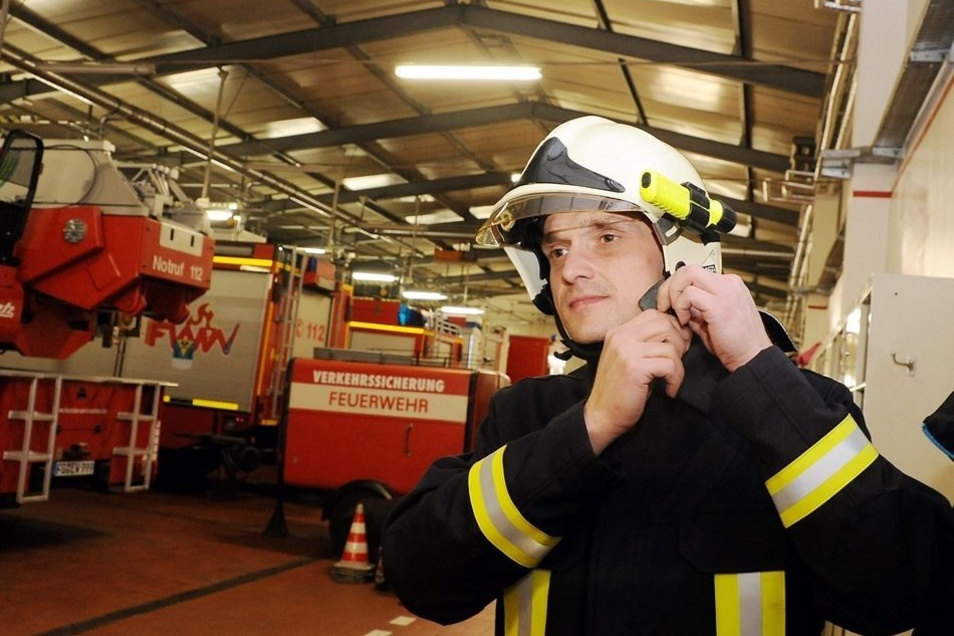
[(83, 248)]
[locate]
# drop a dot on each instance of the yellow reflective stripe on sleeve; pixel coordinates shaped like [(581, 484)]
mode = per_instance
[(773, 603), (750, 604), (498, 517), (525, 605), (511, 603), (538, 604), (821, 472), (728, 606)]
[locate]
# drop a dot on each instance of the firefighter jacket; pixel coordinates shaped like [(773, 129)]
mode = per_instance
[(752, 503)]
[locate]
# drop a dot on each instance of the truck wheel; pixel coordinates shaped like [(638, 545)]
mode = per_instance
[(185, 469)]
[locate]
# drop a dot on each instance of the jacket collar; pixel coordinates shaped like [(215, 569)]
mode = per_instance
[(703, 373)]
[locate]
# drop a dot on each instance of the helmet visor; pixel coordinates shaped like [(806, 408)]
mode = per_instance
[(508, 221)]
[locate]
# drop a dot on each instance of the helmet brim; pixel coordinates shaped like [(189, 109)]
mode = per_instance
[(508, 221)]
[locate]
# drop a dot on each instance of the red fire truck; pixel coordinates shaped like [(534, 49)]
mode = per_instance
[(277, 330), (69, 428), (80, 247), (266, 305), (223, 366), (367, 425)]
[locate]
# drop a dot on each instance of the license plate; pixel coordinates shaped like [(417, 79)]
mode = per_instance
[(73, 469)]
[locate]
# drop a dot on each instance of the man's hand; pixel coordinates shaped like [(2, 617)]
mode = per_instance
[(719, 308), (648, 346)]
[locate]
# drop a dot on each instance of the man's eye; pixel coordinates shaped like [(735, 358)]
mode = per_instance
[(556, 252), (609, 238)]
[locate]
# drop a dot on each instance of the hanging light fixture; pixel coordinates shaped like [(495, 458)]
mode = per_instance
[(469, 72), (451, 310), (412, 294), (373, 277)]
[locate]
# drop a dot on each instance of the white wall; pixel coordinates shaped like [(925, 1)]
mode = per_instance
[(867, 240), (922, 207), (900, 219), (881, 50)]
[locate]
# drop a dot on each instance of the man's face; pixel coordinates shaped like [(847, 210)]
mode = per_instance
[(600, 266)]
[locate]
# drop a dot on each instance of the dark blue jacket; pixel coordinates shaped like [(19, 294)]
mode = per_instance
[(715, 507)]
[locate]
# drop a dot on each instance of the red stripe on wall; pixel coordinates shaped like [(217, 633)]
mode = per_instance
[(871, 194)]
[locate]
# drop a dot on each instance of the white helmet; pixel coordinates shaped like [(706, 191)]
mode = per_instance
[(594, 164)]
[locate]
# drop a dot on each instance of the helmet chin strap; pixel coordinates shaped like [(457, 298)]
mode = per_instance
[(589, 352)]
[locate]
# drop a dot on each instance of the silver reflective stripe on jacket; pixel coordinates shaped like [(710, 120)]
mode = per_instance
[(750, 604), (498, 517), (821, 472), (525, 605)]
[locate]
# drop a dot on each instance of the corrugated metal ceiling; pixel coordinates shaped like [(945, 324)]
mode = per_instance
[(310, 105)]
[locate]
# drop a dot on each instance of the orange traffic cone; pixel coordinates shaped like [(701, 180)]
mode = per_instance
[(354, 566)]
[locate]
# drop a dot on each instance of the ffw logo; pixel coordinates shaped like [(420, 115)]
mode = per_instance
[(8, 310)]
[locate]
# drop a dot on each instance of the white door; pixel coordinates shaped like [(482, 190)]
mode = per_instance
[(910, 371)]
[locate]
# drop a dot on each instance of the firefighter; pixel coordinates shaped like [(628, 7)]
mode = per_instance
[(689, 478)]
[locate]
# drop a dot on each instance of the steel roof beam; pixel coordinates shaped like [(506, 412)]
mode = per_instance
[(424, 124), (418, 188), (323, 38), (487, 179)]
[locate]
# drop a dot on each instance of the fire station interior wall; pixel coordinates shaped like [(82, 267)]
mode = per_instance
[(886, 28), (917, 224), (921, 222), (867, 240)]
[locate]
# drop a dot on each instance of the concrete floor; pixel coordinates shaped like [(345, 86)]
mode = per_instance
[(166, 563)]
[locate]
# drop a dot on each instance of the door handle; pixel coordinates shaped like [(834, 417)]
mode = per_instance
[(407, 438)]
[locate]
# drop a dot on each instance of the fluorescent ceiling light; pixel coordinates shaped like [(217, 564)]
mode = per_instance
[(411, 294), (312, 250), (373, 277), (218, 211), (422, 198), (461, 311), (482, 211), (289, 127), (219, 214), (370, 181), (99, 68), (65, 91), (441, 216), (424, 71)]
